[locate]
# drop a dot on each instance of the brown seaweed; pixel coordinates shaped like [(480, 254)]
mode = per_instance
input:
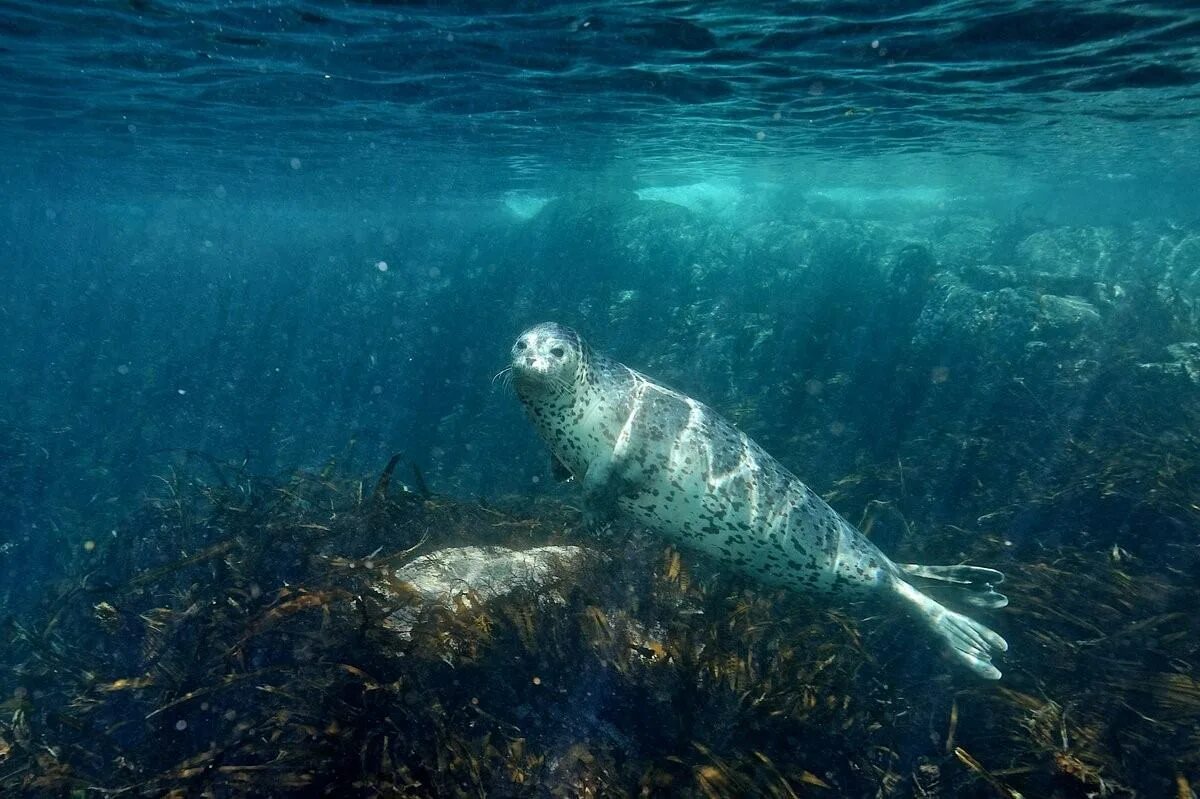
[(233, 640)]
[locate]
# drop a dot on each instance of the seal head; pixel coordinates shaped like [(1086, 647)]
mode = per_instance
[(547, 361)]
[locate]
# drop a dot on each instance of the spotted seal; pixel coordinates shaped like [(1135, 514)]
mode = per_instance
[(677, 467)]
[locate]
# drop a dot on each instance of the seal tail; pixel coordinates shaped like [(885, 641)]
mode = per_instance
[(969, 641), (974, 585)]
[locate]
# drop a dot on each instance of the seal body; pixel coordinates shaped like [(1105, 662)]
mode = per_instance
[(673, 464)]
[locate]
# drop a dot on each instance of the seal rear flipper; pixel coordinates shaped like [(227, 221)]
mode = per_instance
[(968, 640), (974, 585)]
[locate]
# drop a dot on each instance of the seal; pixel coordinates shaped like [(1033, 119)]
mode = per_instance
[(674, 465)]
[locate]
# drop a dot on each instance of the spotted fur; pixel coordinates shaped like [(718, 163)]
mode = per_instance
[(676, 466)]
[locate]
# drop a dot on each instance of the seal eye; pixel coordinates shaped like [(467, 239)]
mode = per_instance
[(521, 345), (557, 352)]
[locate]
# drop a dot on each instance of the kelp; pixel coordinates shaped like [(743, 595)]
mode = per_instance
[(232, 639)]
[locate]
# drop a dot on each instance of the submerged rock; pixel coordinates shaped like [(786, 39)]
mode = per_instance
[(1065, 315), (1187, 355), (964, 242), (459, 577), (1088, 252), (1184, 363)]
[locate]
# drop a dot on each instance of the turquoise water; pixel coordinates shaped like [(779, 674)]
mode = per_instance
[(487, 97), (942, 260)]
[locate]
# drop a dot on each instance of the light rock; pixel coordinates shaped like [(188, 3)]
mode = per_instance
[(1187, 355), (1066, 313), (1184, 363), (1080, 252), (460, 577)]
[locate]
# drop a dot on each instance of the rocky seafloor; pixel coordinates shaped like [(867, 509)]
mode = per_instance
[(1019, 394)]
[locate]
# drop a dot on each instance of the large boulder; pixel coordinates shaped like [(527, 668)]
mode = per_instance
[(1082, 252), (1064, 317)]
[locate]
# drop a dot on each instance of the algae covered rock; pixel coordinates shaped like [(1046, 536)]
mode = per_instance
[(1180, 285), (965, 241), (967, 326), (1187, 355), (1071, 251), (1065, 315), (1182, 366)]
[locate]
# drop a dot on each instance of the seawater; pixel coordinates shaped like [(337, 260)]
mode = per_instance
[(941, 259)]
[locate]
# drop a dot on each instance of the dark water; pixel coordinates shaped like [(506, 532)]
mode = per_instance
[(941, 259)]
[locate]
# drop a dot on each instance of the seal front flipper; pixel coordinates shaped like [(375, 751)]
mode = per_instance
[(603, 485), (559, 470), (599, 493)]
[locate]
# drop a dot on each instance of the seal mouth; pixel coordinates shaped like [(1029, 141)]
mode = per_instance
[(536, 373), (531, 366), (533, 373)]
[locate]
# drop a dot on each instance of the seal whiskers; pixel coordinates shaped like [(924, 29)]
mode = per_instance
[(504, 376), (677, 467)]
